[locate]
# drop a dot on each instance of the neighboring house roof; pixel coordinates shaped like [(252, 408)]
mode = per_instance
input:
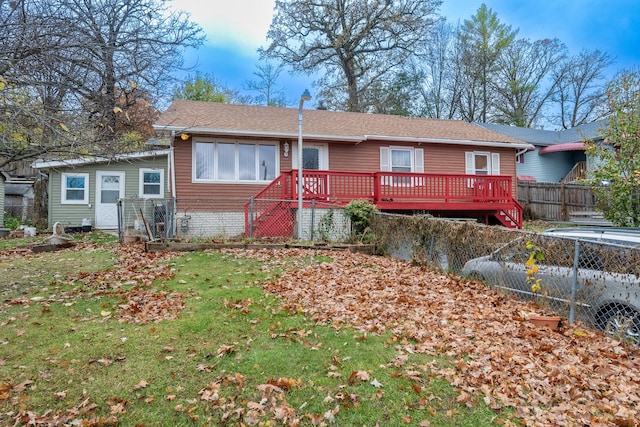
[(275, 122), (13, 189), (46, 164), (542, 137)]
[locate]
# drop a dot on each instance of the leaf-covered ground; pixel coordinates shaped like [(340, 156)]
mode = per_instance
[(573, 376)]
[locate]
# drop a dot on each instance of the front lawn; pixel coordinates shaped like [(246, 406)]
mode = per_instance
[(287, 337)]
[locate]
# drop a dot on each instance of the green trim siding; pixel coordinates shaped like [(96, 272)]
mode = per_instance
[(72, 214)]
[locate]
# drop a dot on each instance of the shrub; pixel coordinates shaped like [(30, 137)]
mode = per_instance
[(361, 213), (11, 222)]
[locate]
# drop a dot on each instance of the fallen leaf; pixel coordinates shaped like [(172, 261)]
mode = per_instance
[(141, 384), (22, 386), (376, 383)]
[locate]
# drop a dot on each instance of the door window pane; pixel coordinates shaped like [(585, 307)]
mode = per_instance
[(110, 189), (311, 158)]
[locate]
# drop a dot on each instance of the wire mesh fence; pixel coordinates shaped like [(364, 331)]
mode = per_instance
[(146, 218), (231, 218), (593, 278)]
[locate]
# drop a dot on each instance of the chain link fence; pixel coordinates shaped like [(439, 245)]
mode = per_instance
[(581, 279), (231, 218), (141, 218)]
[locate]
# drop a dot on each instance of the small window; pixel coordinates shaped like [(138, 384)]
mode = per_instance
[(151, 183), (520, 158), (75, 188)]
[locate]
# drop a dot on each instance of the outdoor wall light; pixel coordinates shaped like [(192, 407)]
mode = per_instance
[(286, 149), (184, 136)]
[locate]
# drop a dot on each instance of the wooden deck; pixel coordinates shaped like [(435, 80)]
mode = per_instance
[(478, 196)]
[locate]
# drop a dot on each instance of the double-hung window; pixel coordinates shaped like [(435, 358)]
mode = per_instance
[(151, 183), (75, 188), (224, 161), (481, 163), (402, 159)]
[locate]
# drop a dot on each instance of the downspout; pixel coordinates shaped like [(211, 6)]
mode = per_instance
[(524, 150), (172, 175)]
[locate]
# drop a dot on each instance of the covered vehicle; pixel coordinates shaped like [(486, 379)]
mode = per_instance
[(594, 270)]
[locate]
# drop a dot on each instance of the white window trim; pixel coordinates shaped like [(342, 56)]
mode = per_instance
[(141, 184), (417, 163), (236, 180), (493, 162), (63, 186)]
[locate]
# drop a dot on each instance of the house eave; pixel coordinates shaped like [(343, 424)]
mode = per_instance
[(346, 138), (256, 134), (497, 144)]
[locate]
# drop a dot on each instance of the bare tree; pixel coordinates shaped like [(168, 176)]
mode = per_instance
[(352, 43), (266, 85), (128, 44), (440, 90), (522, 69), (581, 88), (75, 73)]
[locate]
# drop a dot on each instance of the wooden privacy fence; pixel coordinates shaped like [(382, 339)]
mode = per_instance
[(554, 201)]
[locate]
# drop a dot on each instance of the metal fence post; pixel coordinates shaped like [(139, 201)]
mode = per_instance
[(251, 201), (120, 217), (431, 246), (313, 215), (574, 284)]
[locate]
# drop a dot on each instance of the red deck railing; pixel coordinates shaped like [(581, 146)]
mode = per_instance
[(484, 195)]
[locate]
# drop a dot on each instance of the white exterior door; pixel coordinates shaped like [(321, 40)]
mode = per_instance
[(314, 157), (109, 188)]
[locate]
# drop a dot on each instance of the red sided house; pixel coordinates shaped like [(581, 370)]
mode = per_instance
[(236, 171)]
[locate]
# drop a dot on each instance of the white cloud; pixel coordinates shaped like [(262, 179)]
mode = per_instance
[(241, 23)]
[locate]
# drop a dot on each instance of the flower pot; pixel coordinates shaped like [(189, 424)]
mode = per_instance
[(551, 322)]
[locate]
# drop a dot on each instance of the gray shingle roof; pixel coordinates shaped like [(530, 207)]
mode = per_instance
[(543, 137)]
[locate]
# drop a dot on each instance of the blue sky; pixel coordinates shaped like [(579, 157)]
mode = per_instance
[(235, 29)]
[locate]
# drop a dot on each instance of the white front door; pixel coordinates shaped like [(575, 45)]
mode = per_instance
[(109, 188), (314, 157)]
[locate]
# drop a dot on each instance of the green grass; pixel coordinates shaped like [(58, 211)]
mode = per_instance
[(230, 338)]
